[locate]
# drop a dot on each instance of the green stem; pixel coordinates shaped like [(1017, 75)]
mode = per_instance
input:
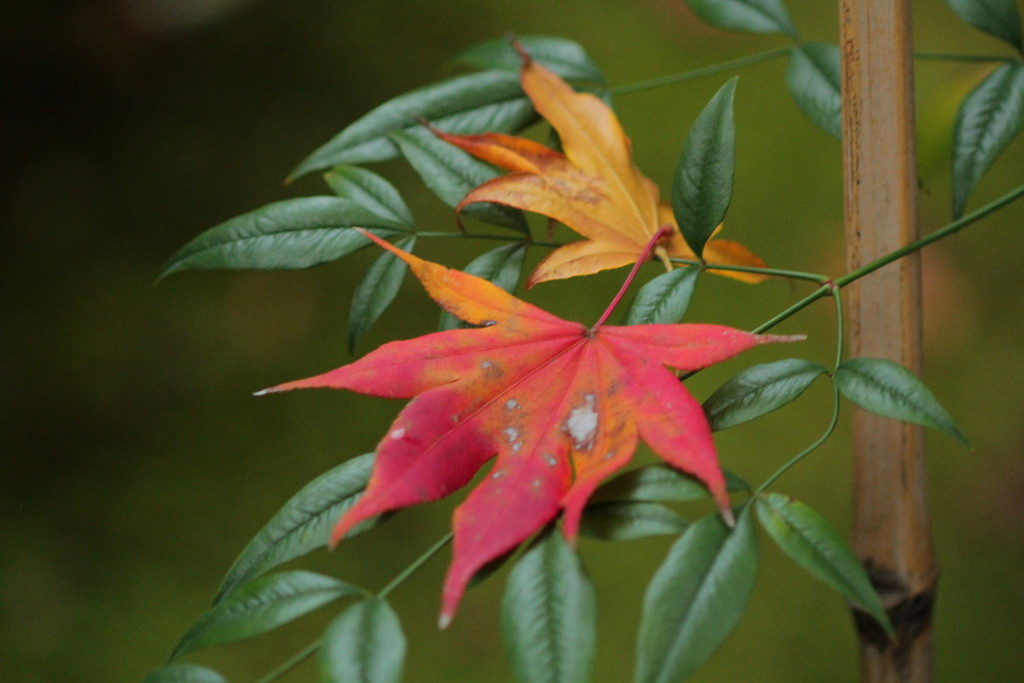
[(833, 288), (776, 272), (939, 234), (835, 403), (840, 324), (296, 659), (946, 57), (310, 649), (416, 564), (807, 451), (681, 77), (855, 275), (798, 306)]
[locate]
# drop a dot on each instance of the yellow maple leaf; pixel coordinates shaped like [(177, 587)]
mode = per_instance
[(593, 187)]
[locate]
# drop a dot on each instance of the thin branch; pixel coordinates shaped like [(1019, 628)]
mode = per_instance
[(946, 57), (414, 565), (693, 74), (295, 660)]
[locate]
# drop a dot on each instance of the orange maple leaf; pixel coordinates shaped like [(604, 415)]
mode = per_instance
[(560, 404), (593, 188)]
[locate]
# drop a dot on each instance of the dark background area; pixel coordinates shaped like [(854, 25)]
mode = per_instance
[(136, 464)]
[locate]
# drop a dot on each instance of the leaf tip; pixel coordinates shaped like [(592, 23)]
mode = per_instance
[(780, 338), (444, 620), (955, 432), (728, 517)]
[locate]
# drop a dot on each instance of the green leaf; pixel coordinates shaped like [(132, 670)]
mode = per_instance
[(565, 57), (182, 672), (759, 390), (626, 521), (815, 545), (548, 615), (813, 80), (486, 101), (990, 117), (997, 17), (756, 16), (303, 524), (696, 598), (262, 605), (659, 483), (363, 645), (368, 189), (502, 266), (376, 291), (451, 174), (294, 233), (665, 298), (702, 186), (890, 390)]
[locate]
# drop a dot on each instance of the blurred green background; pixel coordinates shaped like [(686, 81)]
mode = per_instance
[(136, 464)]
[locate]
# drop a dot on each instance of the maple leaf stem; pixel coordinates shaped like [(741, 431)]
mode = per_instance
[(665, 231)]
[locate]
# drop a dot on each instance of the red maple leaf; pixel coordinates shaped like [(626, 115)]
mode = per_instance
[(560, 404)]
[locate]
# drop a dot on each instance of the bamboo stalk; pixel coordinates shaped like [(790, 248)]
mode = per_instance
[(891, 529)]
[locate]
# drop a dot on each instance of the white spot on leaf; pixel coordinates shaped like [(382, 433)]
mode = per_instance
[(582, 424), (398, 433)]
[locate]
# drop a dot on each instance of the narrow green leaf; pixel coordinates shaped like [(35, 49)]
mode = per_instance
[(665, 298), (702, 186), (363, 645), (659, 484), (548, 615), (759, 390), (451, 174), (626, 521), (990, 117), (696, 598), (813, 80), (502, 266), (303, 524), (890, 390), (377, 290), (486, 101), (294, 233), (371, 191), (815, 545), (182, 672), (262, 605), (565, 57), (999, 18), (756, 16)]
